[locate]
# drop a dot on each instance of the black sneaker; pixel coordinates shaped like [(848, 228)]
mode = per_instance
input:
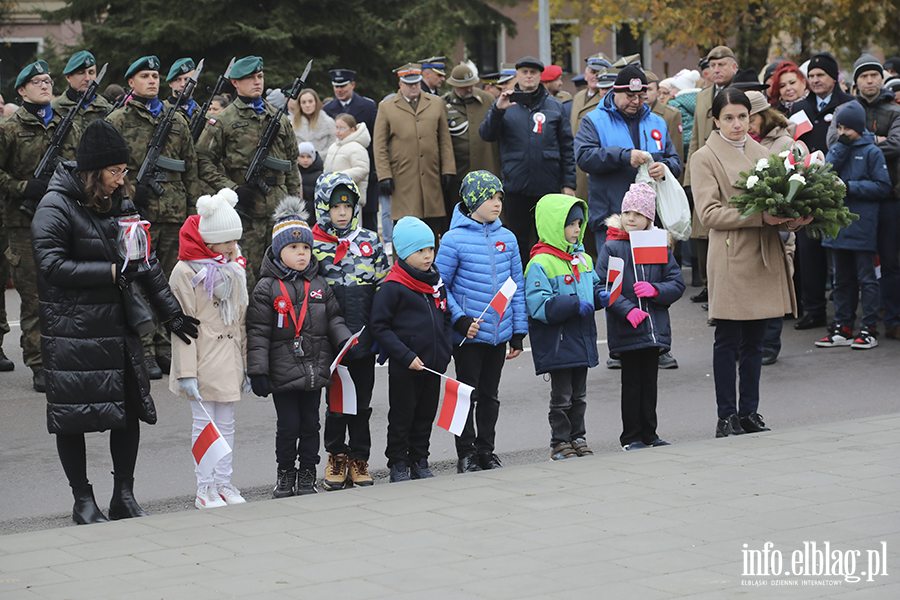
[(306, 482), (39, 381), (634, 446), (285, 484), (153, 369), (753, 423), (703, 296), (467, 464), (667, 361), (839, 336), (399, 471), (867, 338), (420, 470), (489, 460), (729, 426), (5, 363)]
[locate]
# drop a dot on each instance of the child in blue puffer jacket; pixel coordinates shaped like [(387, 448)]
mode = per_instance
[(637, 323), (476, 257)]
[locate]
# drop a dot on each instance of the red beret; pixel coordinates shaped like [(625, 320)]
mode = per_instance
[(551, 73)]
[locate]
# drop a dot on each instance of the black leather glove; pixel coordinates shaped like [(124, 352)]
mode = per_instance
[(246, 201), (125, 276), (260, 385), (447, 182), (35, 189), (516, 342), (183, 326), (142, 198), (386, 186), (844, 139)]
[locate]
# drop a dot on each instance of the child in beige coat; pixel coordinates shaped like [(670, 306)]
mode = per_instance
[(349, 153), (211, 285)]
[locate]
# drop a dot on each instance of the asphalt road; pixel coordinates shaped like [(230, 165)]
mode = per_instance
[(808, 385)]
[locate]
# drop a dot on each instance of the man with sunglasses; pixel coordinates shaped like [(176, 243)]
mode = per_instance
[(24, 138)]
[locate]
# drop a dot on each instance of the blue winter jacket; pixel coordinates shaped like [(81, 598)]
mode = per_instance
[(474, 260), (560, 337), (655, 330), (862, 167), (603, 151), (532, 163)]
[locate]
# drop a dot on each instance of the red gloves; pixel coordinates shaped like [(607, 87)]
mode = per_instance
[(645, 289), (635, 316)]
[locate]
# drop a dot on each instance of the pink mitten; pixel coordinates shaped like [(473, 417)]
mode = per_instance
[(635, 316), (645, 289)]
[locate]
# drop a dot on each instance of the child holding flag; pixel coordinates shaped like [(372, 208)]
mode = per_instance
[(561, 292), (480, 265), (411, 324), (211, 285), (637, 317), (294, 328), (353, 262)]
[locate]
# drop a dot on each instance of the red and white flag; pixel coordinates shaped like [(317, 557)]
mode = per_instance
[(804, 125), (648, 246), (209, 448), (352, 341), (500, 301), (342, 393), (614, 277), (455, 407)]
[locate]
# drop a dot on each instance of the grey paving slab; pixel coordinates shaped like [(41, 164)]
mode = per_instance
[(661, 523)]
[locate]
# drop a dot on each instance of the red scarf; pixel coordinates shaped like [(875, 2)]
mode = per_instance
[(542, 248), (192, 247), (613, 233), (342, 246), (398, 274)]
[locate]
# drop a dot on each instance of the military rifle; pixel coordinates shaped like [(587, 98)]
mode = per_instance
[(198, 122), (118, 103)]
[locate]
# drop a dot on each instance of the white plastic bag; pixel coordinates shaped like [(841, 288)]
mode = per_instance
[(671, 202)]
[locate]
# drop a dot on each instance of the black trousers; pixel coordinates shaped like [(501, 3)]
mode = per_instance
[(339, 425), (297, 429), (813, 268), (414, 403), (520, 220), (123, 448), (741, 343), (639, 375), (480, 365)]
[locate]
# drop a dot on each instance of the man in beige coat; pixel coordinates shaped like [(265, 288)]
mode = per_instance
[(413, 152)]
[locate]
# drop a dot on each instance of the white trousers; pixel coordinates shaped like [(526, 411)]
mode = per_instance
[(222, 414)]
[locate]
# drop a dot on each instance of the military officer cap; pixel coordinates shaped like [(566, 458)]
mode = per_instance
[(507, 72), (80, 60), (246, 66), (438, 64), (180, 67), (606, 80), (720, 52), (38, 67), (341, 77), (530, 61), (410, 73), (145, 63), (488, 78), (703, 64), (631, 59), (598, 63), (651, 76), (462, 76), (578, 81)]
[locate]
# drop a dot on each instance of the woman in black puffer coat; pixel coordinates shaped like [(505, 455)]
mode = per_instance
[(96, 378)]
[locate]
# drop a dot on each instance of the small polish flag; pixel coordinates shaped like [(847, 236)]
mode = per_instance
[(209, 448), (648, 246), (352, 341), (614, 276), (500, 301), (342, 394), (877, 267), (804, 125), (455, 407)]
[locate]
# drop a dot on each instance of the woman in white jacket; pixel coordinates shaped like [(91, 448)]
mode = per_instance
[(311, 123), (348, 154)]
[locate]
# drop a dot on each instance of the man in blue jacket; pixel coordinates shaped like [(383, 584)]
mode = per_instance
[(606, 144), (536, 154)]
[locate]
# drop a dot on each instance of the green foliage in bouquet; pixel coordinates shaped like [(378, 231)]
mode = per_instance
[(796, 191)]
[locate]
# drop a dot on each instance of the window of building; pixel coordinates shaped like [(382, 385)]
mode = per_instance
[(629, 40), (482, 49), (564, 44), (15, 54)]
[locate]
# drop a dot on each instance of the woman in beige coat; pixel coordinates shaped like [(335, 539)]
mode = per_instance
[(747, 264), (211, 285), (349, 153)]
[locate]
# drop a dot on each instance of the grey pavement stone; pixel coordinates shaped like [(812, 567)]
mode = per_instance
[(184, 555)]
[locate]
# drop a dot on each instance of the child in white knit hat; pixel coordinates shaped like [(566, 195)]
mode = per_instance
[(211, 285)]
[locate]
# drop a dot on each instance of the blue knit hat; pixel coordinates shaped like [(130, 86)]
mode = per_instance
[(477, 187), (853, 116), (411, 235), (290, 225)]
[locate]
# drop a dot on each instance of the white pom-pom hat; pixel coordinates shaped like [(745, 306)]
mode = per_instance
[(219, 222)]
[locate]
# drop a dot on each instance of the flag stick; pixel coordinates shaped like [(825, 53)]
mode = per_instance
[(634, 264), (435, 372), (478, 320)]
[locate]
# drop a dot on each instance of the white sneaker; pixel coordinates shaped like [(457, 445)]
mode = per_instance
[(230, 494), (208, 497)]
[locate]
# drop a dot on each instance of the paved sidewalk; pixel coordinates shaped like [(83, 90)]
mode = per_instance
[(659, 523)]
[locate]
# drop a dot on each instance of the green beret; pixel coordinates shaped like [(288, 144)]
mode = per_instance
[(79, 60), (145, 63), (38, 67), (180, 67), (246, 66)]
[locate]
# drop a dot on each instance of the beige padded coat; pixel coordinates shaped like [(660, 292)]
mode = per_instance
[(350, 156)]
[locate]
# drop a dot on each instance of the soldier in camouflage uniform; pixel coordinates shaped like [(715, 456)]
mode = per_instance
[(24, 138), (177, 175), (80, 71), (226, 148), (182, 70)]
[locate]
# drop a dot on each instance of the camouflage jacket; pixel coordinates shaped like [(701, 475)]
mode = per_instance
[(182, 189), (97, 109), (226, 148), (23, 140), (356, 277)]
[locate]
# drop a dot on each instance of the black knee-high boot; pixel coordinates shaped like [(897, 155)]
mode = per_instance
[(123, 505), (86, 510)]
